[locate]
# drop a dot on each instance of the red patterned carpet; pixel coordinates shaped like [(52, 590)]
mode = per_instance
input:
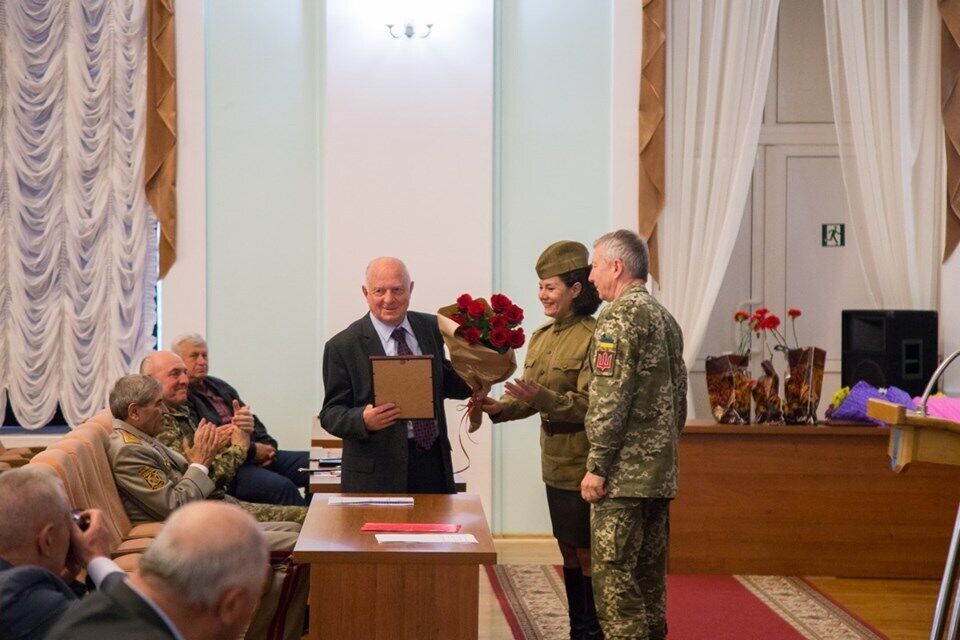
[(698, 607)]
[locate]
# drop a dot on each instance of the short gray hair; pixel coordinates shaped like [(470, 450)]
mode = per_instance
[(191, 338), (199, 569), (629, 248), (135, 389), (29, 498)]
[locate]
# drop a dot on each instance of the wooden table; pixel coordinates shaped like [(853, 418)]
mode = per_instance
[(362, 589), (807, 500)]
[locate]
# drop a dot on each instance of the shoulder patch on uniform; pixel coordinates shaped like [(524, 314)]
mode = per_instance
[(604, 356), (152, 477), (128, 438)]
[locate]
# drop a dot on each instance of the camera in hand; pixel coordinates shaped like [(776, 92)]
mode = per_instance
[(81, 518)]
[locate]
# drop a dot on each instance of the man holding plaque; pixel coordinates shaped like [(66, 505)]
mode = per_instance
[(382, 451)]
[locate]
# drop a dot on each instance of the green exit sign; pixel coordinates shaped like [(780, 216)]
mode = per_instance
[(833, 234)]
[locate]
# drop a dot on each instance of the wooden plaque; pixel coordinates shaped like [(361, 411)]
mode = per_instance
[(406, 381)]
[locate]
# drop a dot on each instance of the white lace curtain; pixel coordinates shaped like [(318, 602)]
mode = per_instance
[(718, 67), (885, 81), (77, 237)]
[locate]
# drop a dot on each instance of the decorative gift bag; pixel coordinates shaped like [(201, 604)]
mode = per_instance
[(766, 396), (801, 388), (728, 384)]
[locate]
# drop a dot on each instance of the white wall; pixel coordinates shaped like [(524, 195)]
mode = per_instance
[(263, 203)]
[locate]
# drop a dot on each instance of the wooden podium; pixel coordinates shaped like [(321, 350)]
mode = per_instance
[(360, 588), (920, 438), (914, 437)]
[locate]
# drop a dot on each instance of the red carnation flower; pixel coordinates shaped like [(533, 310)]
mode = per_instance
[(458, 318), (471, 335), (761, 312), (463, 301), (499, 337), (770, 322), (517, 338), (740, 316), (498, 321), (794, 313), (475, 309), (500, 302), (514, 314)]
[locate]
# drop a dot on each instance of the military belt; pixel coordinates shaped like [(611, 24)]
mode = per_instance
[(552, 428)]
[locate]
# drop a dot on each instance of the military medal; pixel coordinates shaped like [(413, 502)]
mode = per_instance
[(605, 357)]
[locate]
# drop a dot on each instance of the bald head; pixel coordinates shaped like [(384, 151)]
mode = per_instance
[(387, 290), (168, 369), (186, 562)]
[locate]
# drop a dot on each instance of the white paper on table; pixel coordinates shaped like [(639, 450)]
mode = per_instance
[(377, 500), (461, 538)]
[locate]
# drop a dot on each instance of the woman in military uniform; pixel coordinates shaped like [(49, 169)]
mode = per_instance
[(555, 382)]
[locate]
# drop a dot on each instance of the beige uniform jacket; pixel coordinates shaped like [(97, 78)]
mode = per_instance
[(557, 360), (152, 479)]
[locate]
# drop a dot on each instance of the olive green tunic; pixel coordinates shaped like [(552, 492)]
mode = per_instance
[(557, 360)]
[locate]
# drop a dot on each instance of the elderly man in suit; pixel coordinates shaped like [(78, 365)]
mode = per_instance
[(382, 453), (189, 584), (41, 550)]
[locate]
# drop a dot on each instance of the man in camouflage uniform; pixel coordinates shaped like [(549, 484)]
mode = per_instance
[(637, 410), (180, 425), (153, 479)]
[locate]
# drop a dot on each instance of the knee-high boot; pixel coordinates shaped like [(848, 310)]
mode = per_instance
[(573, 582), (591, 625)]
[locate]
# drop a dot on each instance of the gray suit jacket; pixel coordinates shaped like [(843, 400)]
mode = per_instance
[(31, 600), (376, 462), (116, 611)]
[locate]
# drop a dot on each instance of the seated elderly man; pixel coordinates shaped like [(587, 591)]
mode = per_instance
[(190, 584), (42, 549), (269, 474), (152, 478), (181, 422)]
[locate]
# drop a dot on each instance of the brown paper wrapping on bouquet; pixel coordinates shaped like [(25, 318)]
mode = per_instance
[(801, 388), (768, 407), (480, 367), (728, 385)]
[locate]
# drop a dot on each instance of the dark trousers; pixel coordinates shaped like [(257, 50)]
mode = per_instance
[(425, 472), (278, 483)]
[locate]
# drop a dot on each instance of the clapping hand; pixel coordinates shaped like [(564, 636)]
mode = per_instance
[(243, 417)]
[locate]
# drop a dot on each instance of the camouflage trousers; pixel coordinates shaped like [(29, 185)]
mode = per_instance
[(629, 547), (270, 512)]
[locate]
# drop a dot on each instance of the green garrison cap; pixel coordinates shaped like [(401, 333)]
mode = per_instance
[(561, 257)]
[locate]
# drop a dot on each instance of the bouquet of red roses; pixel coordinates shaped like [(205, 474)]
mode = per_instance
[(481, 338)]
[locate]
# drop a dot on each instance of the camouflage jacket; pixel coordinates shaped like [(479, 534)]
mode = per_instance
[(638, 397), (181, 422)]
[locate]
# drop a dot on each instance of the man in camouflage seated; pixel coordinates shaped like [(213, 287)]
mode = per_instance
[(152, 478), (180, 422)]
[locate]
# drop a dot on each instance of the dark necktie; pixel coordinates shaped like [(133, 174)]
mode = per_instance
[(424, 431)]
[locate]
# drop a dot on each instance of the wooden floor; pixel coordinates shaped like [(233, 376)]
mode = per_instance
[(901, 609)]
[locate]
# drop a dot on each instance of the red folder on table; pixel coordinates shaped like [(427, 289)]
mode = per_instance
[(410, 527)]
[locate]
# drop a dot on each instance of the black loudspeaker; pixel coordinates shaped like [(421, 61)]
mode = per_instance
[(889, 348)]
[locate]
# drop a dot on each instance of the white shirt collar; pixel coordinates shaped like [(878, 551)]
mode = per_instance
[(385, 333)]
